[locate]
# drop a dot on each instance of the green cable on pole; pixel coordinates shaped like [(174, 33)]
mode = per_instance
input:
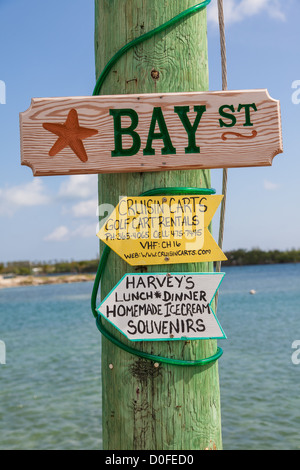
[(100, 272), (144, 37)]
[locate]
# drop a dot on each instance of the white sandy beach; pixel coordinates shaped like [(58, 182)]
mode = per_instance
[(17, 281)]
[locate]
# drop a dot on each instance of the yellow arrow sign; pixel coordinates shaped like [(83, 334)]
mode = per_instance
[(163, 229)]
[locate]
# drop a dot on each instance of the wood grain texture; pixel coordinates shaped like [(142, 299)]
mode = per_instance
[(143, 407), (220, 147)]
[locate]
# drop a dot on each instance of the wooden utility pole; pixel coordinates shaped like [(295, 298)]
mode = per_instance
[(146, 407)]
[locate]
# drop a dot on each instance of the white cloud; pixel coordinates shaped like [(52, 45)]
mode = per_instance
[(85, 231), (79, 187), (81, 190), (24, 195), (85, 208), (60, 234), (269, 186), (239, 10)]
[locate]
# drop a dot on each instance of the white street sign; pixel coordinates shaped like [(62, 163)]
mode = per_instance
[(152, 307)]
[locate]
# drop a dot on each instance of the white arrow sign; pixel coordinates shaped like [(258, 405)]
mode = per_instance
[(177, 306)]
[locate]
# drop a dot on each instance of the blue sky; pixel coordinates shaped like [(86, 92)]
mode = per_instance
[(47, 49)]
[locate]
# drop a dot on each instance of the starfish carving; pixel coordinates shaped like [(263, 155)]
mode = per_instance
[(70, 134)]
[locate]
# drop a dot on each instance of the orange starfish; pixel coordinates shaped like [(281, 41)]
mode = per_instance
[(71, 135)]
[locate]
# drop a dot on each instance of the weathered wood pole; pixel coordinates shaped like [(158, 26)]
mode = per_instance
[(145, 407)]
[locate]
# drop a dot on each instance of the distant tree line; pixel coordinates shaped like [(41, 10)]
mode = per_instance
[(238, 257), (24, 268), (243, 257)]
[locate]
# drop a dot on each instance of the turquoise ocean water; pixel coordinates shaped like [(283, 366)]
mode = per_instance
[(50, 387)]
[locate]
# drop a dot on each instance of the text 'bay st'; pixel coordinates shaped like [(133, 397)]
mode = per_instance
[(150, 132), (158, 122)]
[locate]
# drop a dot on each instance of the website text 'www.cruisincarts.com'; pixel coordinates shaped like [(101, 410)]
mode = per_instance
[(164, 254)]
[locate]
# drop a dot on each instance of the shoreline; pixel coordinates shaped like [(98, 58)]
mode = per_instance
[(21, 281)]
